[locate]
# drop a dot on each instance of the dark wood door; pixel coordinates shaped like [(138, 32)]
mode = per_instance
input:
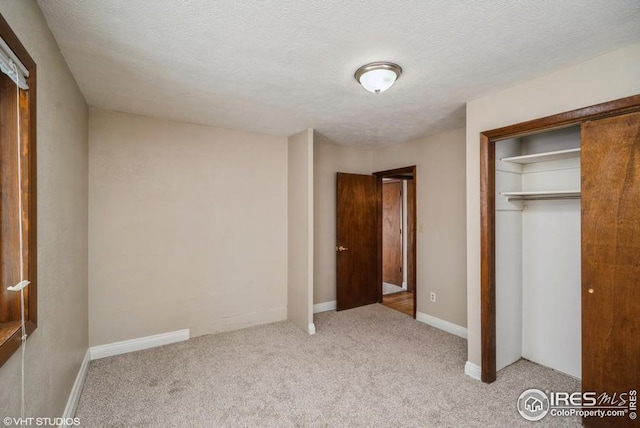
[(356, 240), (610, 164), (392, 232)]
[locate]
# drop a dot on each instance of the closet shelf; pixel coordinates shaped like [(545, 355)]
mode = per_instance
[(541, 195), (544, 157)]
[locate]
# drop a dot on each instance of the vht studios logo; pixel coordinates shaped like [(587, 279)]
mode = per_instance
[(534, 404)]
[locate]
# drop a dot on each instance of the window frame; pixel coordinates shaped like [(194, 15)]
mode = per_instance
[(13, 342)]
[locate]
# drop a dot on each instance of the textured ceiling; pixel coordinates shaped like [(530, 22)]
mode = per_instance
[(280, 66)]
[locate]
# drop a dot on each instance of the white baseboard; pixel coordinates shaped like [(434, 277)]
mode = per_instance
[(312, 329), (324, 307), (473, 370), (138, 344), (76, 390), (447, 326)]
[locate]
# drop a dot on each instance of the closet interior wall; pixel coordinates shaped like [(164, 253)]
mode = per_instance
[(538, 280)]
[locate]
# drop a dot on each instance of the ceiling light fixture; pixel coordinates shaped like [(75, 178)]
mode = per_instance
[(377, 77)]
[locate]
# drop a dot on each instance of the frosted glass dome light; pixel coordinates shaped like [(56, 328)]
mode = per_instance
[(377, 77)]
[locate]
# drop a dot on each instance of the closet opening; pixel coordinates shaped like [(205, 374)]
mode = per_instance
[(537, 250), (567, 174)]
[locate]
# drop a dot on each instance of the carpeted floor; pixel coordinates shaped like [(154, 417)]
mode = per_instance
[(388, 288), (366, 367)]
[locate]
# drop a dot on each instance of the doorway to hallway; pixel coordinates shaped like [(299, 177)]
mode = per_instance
[(396, 194), (359, 240)]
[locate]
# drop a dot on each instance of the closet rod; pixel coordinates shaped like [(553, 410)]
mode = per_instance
[(541, 197)]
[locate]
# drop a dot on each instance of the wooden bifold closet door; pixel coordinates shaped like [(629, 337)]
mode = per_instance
[(610, 167)]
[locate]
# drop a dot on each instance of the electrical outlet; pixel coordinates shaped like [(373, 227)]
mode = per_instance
[(432, 296)]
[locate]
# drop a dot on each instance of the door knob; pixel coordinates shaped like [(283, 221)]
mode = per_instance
[(591, 291), (341, 248)]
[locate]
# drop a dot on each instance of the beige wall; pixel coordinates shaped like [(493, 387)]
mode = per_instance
[(188, 227), (607, 77), (300, 230), (330, 158), (441, 237), (56, 349)]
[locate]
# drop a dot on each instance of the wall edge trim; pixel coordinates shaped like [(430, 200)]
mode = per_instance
[(324, 306), (441, 324), (76, 390), (138, 344), (473, 370)]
